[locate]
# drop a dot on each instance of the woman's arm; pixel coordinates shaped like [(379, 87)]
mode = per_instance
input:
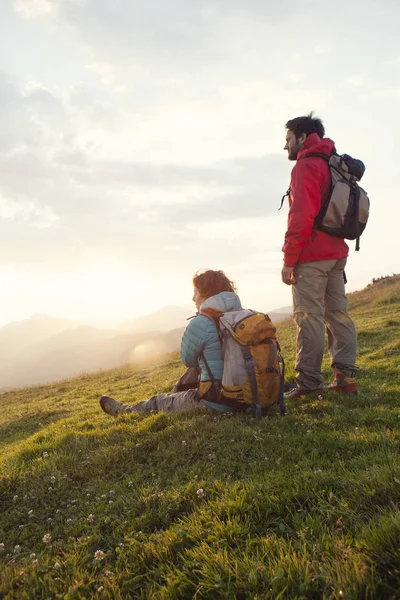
[(193, 341)]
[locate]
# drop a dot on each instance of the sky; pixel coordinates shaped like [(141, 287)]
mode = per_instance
[(142, 141)]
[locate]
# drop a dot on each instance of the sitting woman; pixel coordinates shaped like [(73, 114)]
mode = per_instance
[(201, 351)]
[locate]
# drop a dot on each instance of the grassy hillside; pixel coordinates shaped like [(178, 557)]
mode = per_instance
[(203, 506)]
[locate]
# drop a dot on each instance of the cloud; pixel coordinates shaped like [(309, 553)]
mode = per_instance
[(26, 211), (34, 8), (356, 80), (52, 176)]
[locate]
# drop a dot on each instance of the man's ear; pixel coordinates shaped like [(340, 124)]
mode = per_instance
[(302, 138)]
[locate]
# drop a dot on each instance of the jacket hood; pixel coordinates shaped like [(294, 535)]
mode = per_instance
[(221, 303), (315, 144)]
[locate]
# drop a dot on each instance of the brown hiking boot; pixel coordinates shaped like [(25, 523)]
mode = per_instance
[(299, 393), (112, 407), (343, 383)]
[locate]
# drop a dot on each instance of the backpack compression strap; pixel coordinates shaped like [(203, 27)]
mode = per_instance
[(248, 361)]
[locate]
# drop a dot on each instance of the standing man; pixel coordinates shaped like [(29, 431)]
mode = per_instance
[(313, 265)]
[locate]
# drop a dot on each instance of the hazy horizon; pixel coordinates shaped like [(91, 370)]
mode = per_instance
[(140, 142), (112, 322)]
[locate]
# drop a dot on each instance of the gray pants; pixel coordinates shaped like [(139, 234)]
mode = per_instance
[(174, 401), (319, 299)]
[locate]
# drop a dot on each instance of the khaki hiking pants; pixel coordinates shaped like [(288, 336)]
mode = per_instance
[(319, 300)]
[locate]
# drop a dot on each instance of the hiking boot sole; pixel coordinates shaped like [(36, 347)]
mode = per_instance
[(299, 394)]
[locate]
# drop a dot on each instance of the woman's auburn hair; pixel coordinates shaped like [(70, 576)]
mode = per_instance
[(209, 283)]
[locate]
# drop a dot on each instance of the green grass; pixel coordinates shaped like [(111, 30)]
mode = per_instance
[(305, 506)]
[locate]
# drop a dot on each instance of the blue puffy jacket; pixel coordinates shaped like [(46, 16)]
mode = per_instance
[(201, 335)]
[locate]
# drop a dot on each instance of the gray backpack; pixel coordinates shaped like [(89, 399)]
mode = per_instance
[(345, 212)]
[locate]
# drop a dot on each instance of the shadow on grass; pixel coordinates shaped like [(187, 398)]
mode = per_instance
[(21, 429)]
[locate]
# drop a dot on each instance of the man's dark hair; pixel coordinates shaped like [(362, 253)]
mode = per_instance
[(307, 124)]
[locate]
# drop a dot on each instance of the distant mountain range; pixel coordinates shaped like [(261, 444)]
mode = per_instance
[(164, 319), (280, 313), (42, 349)]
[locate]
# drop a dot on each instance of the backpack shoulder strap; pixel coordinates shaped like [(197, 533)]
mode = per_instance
[(317, 155), (216, 323)]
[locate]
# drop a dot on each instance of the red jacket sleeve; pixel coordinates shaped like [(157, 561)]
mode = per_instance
[(305, 204)]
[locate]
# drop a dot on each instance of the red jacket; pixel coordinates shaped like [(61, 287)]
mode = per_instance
[(309, 186)]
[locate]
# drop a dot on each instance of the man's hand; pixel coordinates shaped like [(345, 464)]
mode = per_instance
[(288, 275)]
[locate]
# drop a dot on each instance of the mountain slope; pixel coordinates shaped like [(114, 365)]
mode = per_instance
[(84, 350), (204, 505), (164, 319), (21, 334)]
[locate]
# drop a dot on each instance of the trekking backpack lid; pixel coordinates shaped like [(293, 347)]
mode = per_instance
[(253, 329)]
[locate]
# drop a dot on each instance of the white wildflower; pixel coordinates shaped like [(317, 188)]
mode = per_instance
[(130, 483), (183, 442), (50, 489), (104, 495), (57, 565), (53, 479), (100, 589), (35, 561), (69, 520), (2, 547), (30, 512), (108, 573), (33, 555), (90, 518), (111, 502), (121, 545), (17, 549), (200, 493), (99, 555), (112, 492), (47, 538), (15, 498), (45, 455)]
